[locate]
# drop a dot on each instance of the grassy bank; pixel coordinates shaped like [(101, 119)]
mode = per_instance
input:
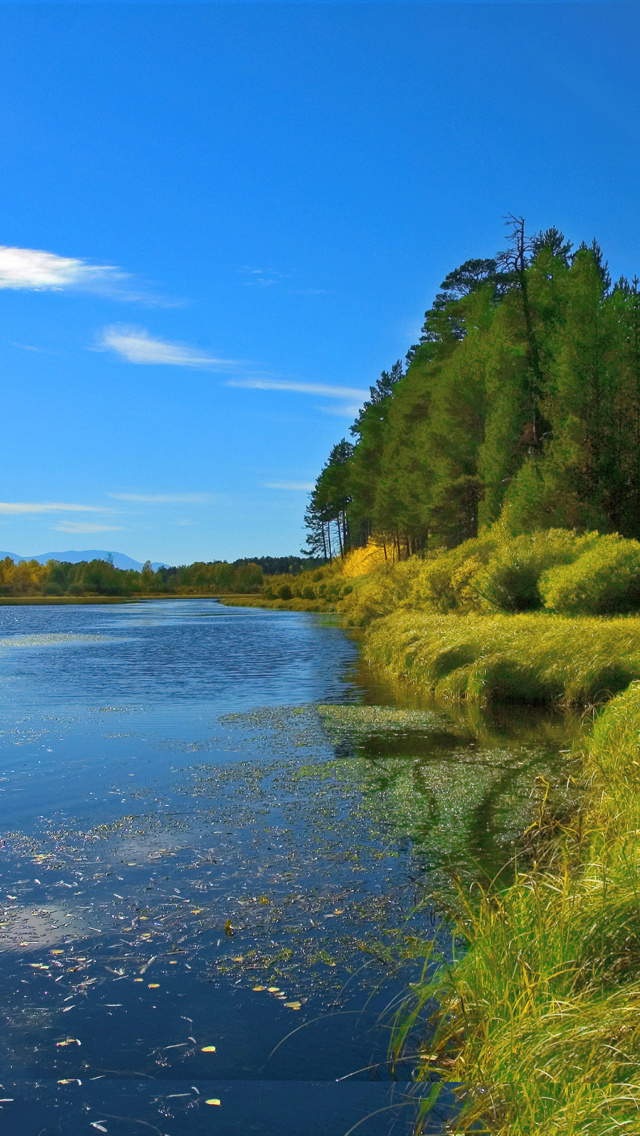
[(514, 658), (296, 603), (540, 1017)]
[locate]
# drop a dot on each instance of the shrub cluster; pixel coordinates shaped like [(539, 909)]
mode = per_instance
[(318, 590), (556, 570)]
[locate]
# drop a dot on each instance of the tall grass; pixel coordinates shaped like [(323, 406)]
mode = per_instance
[(528, 658), (539, 1018)]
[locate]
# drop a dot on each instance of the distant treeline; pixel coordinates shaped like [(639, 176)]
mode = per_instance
[(521, 402), (100, 577)]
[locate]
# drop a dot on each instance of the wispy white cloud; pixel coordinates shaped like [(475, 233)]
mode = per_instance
[(21, 508), (323, 389), (81, 527), (164, 498), (261, 276), (136, 346), (30, 347), (305, 486), (35, 270)]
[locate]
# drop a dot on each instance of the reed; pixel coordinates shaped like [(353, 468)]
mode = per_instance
[(539, 1015)]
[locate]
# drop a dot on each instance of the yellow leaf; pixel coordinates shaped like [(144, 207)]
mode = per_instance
[(213, 1100), (196, 910), (293, 1005), (273, 989), (256, 988), (57, 952), (227, 928), (138, 980), (153, 985), (208, 1049)]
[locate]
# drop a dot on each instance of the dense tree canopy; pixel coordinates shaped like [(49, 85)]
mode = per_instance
[(521, 402)]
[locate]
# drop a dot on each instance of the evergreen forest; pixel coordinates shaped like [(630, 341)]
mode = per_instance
[(520, 404)]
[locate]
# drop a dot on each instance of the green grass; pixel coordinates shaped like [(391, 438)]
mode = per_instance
[(512, 658), (296, 603), (539, 1016)]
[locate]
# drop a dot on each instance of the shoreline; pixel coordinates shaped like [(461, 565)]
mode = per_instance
[(47, 601)]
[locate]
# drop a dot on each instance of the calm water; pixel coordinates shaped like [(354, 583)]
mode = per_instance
[(219, 832)]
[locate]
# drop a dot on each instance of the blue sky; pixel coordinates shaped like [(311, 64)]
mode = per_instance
[(222, 221)]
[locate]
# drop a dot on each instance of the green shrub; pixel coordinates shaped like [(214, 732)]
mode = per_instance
[(605, 580), (284, 592), (446, 581), (510, 580)]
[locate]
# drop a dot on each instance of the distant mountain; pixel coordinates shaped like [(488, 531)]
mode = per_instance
[(72, 557)]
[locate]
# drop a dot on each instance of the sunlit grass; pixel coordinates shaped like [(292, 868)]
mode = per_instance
[(528, 658), (539, 1016)]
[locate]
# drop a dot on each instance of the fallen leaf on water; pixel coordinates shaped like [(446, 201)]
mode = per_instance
[(227, 928), (256, 988), (100, 1127), (213, 1100), (208, 1049), (273, 989), (293, 1005), (153, 985)]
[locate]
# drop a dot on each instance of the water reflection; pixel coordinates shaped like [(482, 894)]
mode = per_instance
[(219, 831)]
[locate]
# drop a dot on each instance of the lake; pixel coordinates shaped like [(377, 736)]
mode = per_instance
[(222, 837)]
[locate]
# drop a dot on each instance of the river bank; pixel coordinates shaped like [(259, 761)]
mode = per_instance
[(536, 1019), (148, 597)]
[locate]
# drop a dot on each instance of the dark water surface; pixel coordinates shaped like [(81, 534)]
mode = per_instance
[(219, 832)]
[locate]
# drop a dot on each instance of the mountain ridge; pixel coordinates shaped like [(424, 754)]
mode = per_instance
[(71, 556)]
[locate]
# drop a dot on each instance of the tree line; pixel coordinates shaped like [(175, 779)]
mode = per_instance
[(519, 404), (101, 578)]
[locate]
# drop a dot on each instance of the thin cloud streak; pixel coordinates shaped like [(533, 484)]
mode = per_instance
[(22, 508), (136, 346), (164, 498), (321, 389), (305, 486), (80, 527)]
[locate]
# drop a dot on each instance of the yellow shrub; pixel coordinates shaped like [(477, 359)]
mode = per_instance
[(362, 561)]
